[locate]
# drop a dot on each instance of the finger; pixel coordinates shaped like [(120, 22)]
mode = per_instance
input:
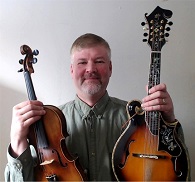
[(161, 87), (31, 109), (156, 95), (32, 114), (28, 111), (155, 108), (154, 102), (30, 102)]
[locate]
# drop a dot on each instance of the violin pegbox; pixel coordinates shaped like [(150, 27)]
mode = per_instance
[(156, 25), (29, 59)]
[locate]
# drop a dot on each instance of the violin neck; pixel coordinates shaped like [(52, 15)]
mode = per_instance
[(29, 86), (39, 127)]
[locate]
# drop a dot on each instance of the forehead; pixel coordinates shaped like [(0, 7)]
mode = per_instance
[(90, 52)]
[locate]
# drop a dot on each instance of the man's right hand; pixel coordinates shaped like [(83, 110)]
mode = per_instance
[(24, 114)]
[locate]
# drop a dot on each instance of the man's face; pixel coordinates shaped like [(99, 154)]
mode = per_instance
[(91, 69)]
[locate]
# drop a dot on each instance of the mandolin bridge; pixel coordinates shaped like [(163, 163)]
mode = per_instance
[(149, 156)]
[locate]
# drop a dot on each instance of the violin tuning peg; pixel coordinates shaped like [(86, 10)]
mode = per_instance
[(34, 60), (21, 61), (21, 70), (35, 52)]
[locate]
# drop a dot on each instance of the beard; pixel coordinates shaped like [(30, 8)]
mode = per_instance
[(91, 88)]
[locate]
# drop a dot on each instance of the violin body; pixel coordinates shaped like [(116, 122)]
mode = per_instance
[(56, 163)]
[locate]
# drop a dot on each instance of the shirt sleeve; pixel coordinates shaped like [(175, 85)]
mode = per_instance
[(21, 168)]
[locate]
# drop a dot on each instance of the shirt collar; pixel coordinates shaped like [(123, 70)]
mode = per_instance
[(98, 109)]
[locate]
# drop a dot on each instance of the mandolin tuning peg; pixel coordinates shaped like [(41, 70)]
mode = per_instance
[(143, 23), (168, 29), (144, 40), (166, 34), (35, 52), (170, 23), (145, 34), (145, 28)]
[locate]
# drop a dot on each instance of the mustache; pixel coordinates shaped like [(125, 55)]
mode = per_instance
[(91, 75)]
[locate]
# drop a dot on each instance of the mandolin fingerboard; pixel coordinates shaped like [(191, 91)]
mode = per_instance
[(154, 73), (152, 118)]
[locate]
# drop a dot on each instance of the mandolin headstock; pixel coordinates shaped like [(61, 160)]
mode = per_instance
[(156, 25)]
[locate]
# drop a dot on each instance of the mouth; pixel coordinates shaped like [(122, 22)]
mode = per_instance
[(91, 77)]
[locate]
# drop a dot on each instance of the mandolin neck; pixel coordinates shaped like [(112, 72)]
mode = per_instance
[(153, 117), (154, 72)]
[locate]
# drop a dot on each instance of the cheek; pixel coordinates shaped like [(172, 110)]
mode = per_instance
[(106, 72), (76, 73)]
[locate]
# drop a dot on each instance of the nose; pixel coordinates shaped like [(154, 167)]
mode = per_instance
[(91, 67)]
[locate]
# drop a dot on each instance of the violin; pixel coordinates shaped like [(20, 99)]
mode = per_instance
[(149, 148), (47, 135)]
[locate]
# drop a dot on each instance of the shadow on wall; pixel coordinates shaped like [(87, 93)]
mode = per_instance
[(8, 98)]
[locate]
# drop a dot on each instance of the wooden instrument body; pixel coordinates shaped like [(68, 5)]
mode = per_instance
[(56, 163), (141, 160)]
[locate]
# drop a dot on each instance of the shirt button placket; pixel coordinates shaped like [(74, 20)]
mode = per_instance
[(92, 157)]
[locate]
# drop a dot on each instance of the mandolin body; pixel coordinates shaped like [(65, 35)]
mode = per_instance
[(140, 160)]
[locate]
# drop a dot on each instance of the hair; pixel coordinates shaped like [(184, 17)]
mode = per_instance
[(90, 40)]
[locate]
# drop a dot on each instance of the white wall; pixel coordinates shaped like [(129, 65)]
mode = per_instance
[(52, 25)]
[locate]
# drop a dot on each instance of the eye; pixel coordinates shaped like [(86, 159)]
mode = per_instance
[(99, 61), (82, 62)]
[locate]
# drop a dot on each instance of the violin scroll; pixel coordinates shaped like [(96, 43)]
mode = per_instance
[(29, 58)]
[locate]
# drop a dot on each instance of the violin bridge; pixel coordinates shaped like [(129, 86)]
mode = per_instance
[(47, 162)]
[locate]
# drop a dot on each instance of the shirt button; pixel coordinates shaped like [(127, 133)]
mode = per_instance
[(93, 153), (18, 165)]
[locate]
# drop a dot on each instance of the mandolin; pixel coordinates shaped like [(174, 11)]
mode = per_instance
[(47, 135), (149, 148)]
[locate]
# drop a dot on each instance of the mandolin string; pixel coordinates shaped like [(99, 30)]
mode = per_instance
[(155, 80)]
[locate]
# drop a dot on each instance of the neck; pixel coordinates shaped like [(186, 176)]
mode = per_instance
[(91, 100), (154, 74)]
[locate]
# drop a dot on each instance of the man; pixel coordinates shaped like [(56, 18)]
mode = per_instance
[(94, 119)]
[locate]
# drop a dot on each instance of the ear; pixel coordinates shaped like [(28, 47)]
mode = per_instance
[(110, 68), (71, 69)]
